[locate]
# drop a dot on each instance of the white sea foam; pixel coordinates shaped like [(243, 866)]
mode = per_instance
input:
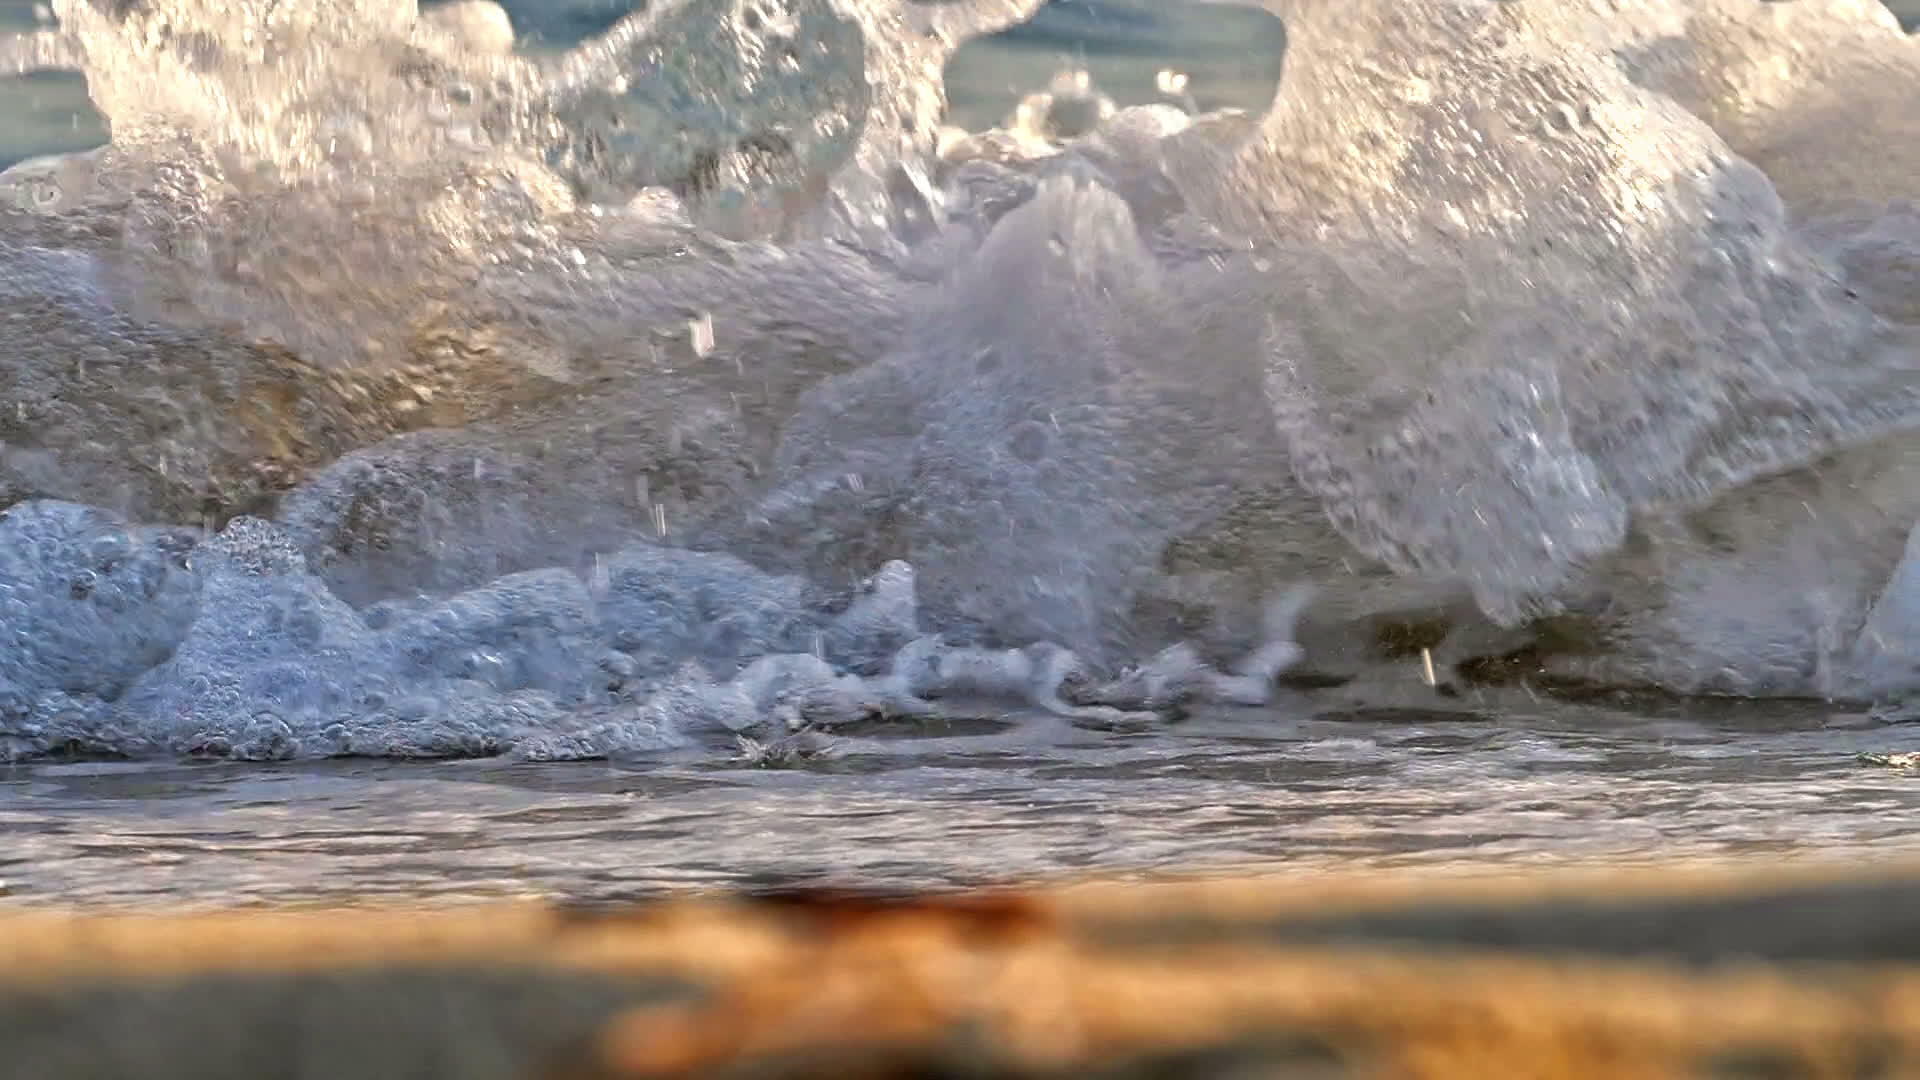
[(425, 397)]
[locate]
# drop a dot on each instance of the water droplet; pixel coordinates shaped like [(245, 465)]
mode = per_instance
[(700, 333)]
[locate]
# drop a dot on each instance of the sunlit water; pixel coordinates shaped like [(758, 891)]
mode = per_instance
[(1397, 775), (1034, 799)]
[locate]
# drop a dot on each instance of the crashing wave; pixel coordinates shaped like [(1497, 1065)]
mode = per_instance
[(696, 383)]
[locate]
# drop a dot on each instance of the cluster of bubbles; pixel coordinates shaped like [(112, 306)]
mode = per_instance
[(699, 380), (127, 639)]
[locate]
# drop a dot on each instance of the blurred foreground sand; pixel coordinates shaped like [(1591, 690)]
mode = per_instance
[(1668, 973)]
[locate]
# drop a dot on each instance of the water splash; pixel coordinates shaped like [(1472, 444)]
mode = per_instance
[(695, 383)]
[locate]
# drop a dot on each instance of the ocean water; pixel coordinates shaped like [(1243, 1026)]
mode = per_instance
[(1293, 788), (655, 456)]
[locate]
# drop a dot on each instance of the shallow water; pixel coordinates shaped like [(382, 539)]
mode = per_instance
[(1319, 778), (1294, 787)]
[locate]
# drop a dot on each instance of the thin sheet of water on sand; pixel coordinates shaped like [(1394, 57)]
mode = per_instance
[(975, 803)]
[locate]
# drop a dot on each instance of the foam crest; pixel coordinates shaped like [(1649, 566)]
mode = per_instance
[(1527, 297), (1034, 444), (333, 172)]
